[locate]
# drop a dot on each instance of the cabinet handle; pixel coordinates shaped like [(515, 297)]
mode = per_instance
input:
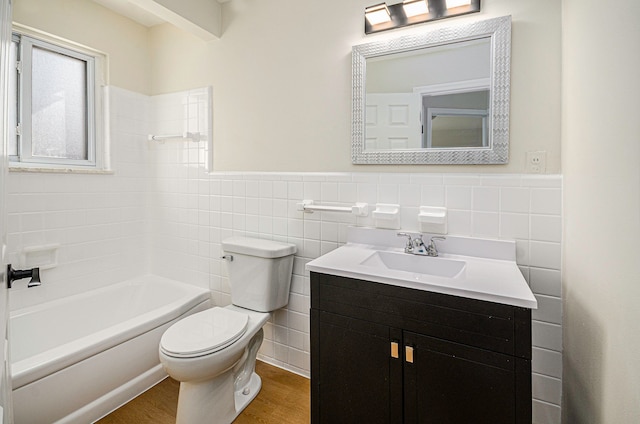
[(408, 354), (394, 350)]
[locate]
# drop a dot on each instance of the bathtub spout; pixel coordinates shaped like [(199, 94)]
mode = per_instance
[(19, 274), (35, 278)]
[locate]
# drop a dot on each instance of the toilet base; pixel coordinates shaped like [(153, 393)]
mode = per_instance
[(208, 403), (243, 397)]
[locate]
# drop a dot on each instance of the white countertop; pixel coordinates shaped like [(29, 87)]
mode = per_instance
[(483, 278)]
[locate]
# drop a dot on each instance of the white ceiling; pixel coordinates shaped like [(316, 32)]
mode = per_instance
[(132, 11), (135, 12)]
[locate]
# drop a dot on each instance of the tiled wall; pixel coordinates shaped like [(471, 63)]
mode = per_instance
[(175, 219), (98, 220), (194, 211)]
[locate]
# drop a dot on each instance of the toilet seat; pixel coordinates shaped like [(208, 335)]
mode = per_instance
[(204, 333)]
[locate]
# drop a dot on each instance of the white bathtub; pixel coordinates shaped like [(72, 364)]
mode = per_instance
[(76, 359)]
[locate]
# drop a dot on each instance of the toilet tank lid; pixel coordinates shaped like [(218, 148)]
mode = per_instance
[(258, 247)]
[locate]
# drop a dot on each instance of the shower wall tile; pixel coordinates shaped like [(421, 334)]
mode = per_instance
[(98, 220)]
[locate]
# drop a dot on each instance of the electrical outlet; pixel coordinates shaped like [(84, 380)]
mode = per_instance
[(536, 162)]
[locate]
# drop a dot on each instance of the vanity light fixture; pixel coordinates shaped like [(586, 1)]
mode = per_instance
[(382, 17), (378, 14), (415, 7)]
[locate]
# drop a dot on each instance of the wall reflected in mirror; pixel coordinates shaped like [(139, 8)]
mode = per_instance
[(429, 98)]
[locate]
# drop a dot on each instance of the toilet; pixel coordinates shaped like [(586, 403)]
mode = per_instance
[(213, 353)]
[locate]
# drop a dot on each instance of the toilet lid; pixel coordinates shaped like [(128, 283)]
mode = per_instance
[(204, 332)]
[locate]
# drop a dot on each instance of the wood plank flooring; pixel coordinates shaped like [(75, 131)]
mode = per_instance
[(284, 399)]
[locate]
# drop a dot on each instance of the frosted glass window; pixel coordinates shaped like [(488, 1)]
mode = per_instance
[(58, 105)]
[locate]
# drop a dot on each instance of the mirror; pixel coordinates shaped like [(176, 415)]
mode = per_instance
[(439, 97)]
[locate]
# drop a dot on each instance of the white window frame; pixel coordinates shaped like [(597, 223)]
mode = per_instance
[(96, 63)]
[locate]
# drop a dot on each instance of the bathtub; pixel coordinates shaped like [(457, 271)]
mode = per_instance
[(76, 359)]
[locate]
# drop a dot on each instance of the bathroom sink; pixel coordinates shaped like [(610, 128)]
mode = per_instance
[(436, 266), (474, 268)]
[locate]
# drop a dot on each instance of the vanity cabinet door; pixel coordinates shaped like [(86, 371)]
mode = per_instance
[(450, 383), (458, 360), (357, 379)]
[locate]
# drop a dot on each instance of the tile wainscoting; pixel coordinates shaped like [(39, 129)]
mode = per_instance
[(162, 212)]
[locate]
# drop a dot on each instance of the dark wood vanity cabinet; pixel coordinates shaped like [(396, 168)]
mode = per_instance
[(387, 354)]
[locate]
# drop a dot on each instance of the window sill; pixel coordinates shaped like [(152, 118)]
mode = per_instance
[(59, 170)]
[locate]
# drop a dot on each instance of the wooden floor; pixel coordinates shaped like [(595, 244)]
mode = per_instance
[(284, 399)]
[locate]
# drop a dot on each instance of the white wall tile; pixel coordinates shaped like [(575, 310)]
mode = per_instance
[(546, 362), (409, 194), (486, 199), (547, 389), (546, 228), (547, 335), (312, 230), (515, 199), (514, 226), (312, 190), (296, 191), (427, 179), (329, 231), (546, 201), (329, 192), (459, 222), (545, 255), (545, 413), (388, 193), (522, 252), (458, 197), (347, 192), (549, 309), (432, 195), (280, 190), (546, 281), (485, 224), (461, 180)]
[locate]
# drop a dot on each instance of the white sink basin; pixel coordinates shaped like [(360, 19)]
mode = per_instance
[(467, 267), (440, 267)]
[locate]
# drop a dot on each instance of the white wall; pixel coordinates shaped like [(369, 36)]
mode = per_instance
[(281, 75), (601, 163), (83, 21)]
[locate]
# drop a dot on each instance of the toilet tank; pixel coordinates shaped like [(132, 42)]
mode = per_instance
[(259, 272)]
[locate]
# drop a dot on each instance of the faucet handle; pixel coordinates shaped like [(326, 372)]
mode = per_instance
[(431, 249), (408, 248)]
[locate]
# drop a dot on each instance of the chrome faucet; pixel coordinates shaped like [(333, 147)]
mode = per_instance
[(415, 245), (418, 246)]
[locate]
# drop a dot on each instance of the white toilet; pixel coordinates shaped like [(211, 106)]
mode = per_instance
[(213, 353)]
